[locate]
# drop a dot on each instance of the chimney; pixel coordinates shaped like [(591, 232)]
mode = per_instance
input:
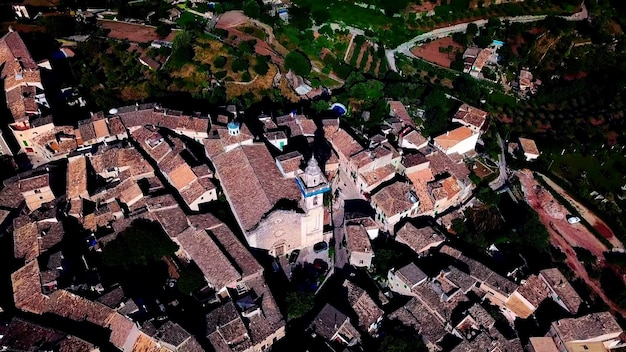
[(447, 133), (11, 29)]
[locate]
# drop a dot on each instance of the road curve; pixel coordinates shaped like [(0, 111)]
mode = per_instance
[(405, 48)]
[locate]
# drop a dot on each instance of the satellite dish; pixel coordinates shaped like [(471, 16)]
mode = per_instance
[(113, 111)]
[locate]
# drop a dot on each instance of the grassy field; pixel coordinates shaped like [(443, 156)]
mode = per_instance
[(353, 15), (602, 172), (501, 99)]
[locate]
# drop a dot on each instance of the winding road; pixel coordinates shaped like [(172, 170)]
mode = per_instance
[(405, 48)]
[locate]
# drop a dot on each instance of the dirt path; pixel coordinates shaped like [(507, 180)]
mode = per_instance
[(557, 240), (587, 214), (564, 235), (552, 213), (362, 52)]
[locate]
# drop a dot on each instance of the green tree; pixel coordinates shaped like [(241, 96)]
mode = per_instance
[(261, 67), (370, 90), (247, 47), (239, 64), (219, 61), (182, 52), (298, 63), (298, 304), (472, 29), (252, 9), (141, 243), (321, 15), (399, 338), (190, 280), (487, 196), (320, 105), (163, 29)]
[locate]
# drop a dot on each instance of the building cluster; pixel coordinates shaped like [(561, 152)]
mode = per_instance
[(145, 163), (475, 59), (129, 165), (451, 301), (424, 177)]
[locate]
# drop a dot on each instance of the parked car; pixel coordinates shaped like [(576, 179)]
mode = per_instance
[(320, 247), (293, 257), (573, 219), (320, 264)]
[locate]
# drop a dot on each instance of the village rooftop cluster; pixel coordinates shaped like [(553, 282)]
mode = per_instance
[(140, 164)]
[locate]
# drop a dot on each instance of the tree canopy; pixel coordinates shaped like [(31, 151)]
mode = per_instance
[(298, 303), (143, 242), (252, 9), (298, 63)]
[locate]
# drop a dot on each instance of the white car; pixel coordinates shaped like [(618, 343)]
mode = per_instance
[(573, 219)]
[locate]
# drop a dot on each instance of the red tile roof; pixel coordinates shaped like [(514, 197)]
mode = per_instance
[(215, 266), (393, 199), (27, 293), (470, 115), (252, 182)]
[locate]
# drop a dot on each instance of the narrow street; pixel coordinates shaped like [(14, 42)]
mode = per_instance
[(503, 176)]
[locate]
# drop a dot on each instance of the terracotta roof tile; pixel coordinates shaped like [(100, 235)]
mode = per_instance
[(241, 256), (557, 282), (533, 290), (414, 138), (207, 255), (378, 175), (452, 138), (173, 220), (74, 344), (529, 146), (225, 326), (357, 239), (76, 177), (22, 103), (393, 199), (364, 306), (115, 125), (27, 293), (418, 239), (100, 128), (22, 335), (470, 115), (204, 221), (87, 130), (586, 327), (33, 183), (290, 162), (121, 327), (145, 343), (25, 242), (51, 234), (69, 305), (342, 142), (397, 109), (270, 321), (11, 196), (415, 315), (255, 165)]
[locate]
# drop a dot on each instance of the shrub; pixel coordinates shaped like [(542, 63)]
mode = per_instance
[(219, 62), (239, 65), (298, 63), (220, 75), (246, 77)]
